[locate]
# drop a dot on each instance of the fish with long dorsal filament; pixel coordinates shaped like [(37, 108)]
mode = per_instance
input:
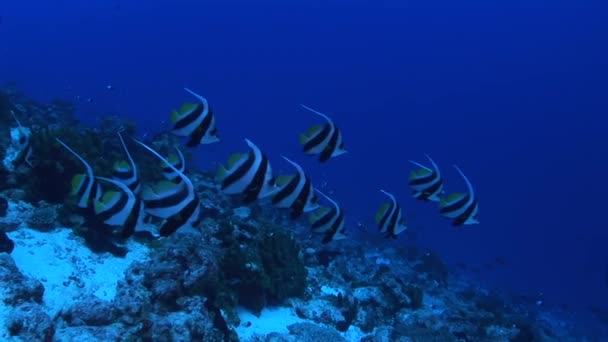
[(461, 208), (426, 183), (328, 221), (122, 209), (196, 121), (126, 172), (84, 185), (389, 218), (295, 192), (323, 140), (177, 203), (249, 174)]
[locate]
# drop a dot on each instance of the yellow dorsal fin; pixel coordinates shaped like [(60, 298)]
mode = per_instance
[(122, 165), (313, 130), (283, 179), (451, 199), (174, 117), (221, 173), (381, 212), (173, 160), (187, 108), (165, 186), (109, 197), (233, 160), (77, 182), (317, 214)]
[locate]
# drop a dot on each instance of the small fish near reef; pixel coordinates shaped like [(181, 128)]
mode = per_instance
[(426, 183), (84, 185), (196, 121), (323, 140), (461, 208), (249, 174), (389, 218), (328, 221), (295, 192)]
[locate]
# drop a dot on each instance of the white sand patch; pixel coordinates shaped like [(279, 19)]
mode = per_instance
[(67, 268), (273, 319)]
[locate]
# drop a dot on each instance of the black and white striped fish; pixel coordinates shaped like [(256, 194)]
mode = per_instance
[(324, 140), (389, 218), (24, 144), (121, 209), (196, 121), (177, 203), (328, 221), (178, 162), (461, 208), (249, 174), (295, 192), (84, 186), (426, 183), (126, 171)]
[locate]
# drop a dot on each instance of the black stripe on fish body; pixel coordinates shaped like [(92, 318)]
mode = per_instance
[(460, 220), (190, 118), (169, 201), (424, 180), (178, 220), (93, 193), (134, 185), (325, 219), (253, 190), (428, 192), (115, 209), (387, 216), (178, 166), (317, 139), (393, 222), (331, 147), (456, 206), (329, 236), (200, 131), (297, 207), (287, 190), (24, 155), (240, 172), (132, 220)]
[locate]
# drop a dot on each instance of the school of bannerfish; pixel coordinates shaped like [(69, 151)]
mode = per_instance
[(175, 202)]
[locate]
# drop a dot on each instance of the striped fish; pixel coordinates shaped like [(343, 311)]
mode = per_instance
[(328, 221), (178, 162), (84, 186), (295, 192), (324, 140), (126, 172), (25, 145), (122, 209), (460, 208), (390, 218), (426, 183), (248, 174), (178, 203), (196, 121)]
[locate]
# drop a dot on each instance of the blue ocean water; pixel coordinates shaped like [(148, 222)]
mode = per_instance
[(514, 93)]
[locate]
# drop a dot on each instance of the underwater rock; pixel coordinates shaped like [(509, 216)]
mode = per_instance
[(433, 266), (3, 207), (309, 332), (91, 311), (6, 244), (30, 323), (18, 288)]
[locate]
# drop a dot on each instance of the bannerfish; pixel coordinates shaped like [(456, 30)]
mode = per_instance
[(460, 208), (126, 172), (249, 174), (177, 203), (389, 218), (328, 221), (25, 145), (178, 162), (324, 140), (295, 192), (121, 209), (426, 183), (196, 121), (84, 186)]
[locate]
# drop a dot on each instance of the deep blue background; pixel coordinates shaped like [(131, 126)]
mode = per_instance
[(514, 92)]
